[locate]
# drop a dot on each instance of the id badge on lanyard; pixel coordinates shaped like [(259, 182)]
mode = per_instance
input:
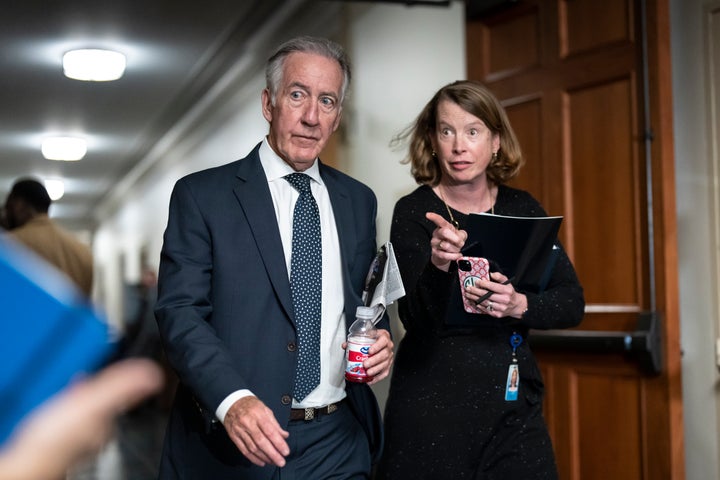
[(512, 384)]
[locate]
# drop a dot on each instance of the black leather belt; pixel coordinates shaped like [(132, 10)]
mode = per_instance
[(308, 414)]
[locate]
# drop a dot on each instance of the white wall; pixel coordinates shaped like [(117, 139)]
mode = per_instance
[(698, 287)]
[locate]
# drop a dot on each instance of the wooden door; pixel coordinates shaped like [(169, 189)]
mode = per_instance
[(592, 110)]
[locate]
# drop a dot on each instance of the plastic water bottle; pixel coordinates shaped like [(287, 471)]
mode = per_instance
[(361, 336)]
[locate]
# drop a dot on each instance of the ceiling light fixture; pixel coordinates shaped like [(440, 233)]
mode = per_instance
[(64, 148), (94, 65), (55, 188)]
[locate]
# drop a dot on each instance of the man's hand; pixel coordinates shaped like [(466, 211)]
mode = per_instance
[(255, 431), (381, 357)]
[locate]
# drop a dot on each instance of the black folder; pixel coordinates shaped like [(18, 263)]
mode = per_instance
[(522, 248)]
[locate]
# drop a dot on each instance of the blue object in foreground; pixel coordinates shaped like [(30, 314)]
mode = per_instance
[(49, 334)]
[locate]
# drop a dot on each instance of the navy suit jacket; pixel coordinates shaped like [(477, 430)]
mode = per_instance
[(225, 308)]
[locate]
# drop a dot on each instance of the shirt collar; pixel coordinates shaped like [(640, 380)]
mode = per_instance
[(275, 167)]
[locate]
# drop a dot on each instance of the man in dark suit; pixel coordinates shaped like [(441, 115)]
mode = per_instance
[(226, 304)]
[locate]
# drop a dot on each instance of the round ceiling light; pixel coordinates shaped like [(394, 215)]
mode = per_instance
[(94, 65), (64, 148), (55, 188)]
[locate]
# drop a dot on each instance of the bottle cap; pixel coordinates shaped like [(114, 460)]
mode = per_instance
[(365, 312)]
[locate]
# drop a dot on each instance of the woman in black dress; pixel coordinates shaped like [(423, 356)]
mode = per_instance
[(451, 412)]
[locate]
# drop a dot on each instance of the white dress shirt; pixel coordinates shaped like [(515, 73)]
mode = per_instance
[(332, 357)]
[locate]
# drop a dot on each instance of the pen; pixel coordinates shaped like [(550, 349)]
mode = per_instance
[(468, 247), (488, 294)]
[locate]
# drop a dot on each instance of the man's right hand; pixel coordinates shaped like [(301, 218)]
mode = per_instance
[(255, 431)]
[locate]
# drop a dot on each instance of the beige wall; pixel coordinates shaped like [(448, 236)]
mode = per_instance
[(696, 184)]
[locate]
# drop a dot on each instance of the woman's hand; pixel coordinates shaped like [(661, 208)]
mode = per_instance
[(504, 301), (446, 242)]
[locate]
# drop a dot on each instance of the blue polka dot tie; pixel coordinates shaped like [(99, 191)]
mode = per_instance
[(306, 285)]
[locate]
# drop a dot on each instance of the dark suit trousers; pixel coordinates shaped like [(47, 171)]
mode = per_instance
[(331, 446)]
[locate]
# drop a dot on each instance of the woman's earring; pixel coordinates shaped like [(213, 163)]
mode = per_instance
[(434, 155), (494, 156)]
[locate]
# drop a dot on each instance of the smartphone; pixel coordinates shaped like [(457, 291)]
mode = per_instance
[(470, 270)]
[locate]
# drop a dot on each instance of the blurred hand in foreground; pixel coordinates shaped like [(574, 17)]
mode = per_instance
[(75, 424)]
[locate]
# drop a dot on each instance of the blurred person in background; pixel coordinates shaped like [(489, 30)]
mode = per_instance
[(27, 221), (141, 337), (3, 219)]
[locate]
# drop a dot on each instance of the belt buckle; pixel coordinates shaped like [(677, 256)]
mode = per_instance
[(332, 407), (309, 414)]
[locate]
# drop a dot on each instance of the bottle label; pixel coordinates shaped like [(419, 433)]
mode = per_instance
[(358, 349)]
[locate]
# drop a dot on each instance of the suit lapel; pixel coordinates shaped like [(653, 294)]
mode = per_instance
[(255, 200), (346, 229), (254, 196)]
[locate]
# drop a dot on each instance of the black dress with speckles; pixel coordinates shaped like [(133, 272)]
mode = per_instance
[(446, 416)]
